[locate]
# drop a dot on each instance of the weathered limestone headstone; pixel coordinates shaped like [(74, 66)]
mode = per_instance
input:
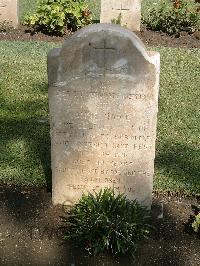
[(128, 10), (9, 12), (103, 94)]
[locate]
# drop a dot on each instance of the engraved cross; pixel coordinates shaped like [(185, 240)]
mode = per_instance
[(105, 49), (122, 7)]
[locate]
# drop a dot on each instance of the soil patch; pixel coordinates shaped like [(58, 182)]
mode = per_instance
[(150, 38), (31, 233)]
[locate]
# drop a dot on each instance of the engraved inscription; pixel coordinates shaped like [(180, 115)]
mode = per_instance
[(79, 94), (102, 114), (3, 3), (102, 171), (3, 6), (121, 189)]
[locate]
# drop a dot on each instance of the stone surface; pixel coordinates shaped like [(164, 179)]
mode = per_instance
[(103, 99), (9, 12), (129, 10)]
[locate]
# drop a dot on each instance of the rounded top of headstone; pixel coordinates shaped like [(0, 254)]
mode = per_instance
[(112, 30), (101, 50)]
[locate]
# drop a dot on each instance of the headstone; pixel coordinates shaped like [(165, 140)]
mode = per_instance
[(9, 12), (128, 10), (103, 99)]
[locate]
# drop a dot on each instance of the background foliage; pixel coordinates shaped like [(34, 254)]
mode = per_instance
[(30, 5), (172, 17), (156, 14), (58, 16), (27, 6)]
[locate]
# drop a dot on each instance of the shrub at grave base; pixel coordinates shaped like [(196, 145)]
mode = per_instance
[(55, 16), (173, 16), (105, 222)]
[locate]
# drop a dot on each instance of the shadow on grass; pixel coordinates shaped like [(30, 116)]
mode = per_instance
[(36, 135), (25, 139), (182, 163)]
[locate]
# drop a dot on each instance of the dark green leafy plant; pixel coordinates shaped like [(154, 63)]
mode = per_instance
[(56, 16), (173, 16), (196, 224), (105, 222), (118, 20)]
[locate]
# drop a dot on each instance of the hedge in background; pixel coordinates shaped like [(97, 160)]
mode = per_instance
[(173, 16)]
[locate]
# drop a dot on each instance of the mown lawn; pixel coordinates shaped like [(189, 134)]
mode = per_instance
[(24, 127)]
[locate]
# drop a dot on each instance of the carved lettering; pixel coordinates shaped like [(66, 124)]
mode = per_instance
[(101, 180), (3, 3), (102, 172), (103, 104), (120, 145), (111, 116), (76, 187), (135, 96)]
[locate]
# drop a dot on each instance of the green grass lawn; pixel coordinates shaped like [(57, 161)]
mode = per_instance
[(24, 128), (178, 143)]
